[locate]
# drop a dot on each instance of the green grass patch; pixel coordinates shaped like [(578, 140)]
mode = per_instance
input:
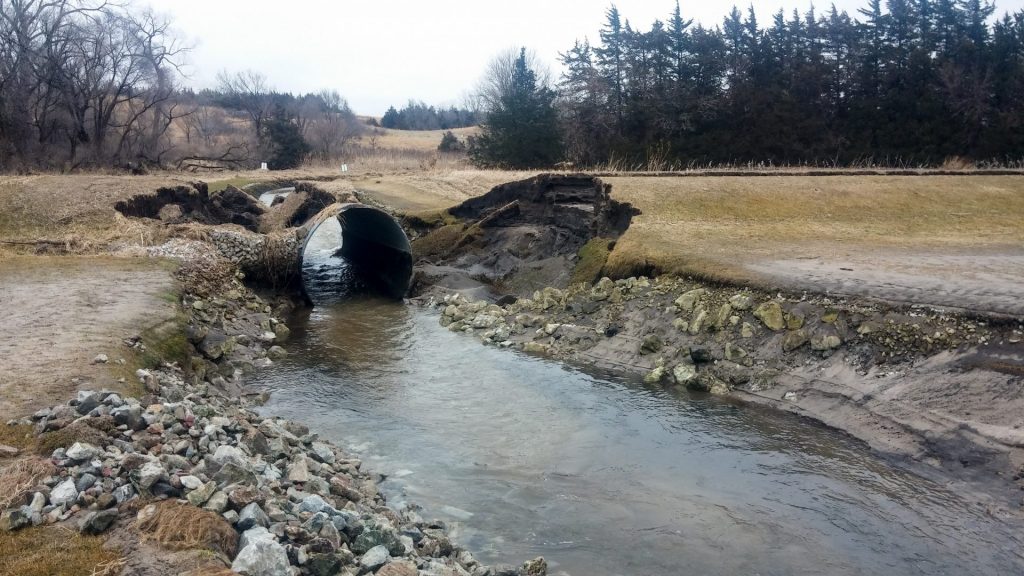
[(592, 258)]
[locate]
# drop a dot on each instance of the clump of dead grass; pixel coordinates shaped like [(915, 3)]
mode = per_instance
[(56, 551), (19, 476), (181, 526)]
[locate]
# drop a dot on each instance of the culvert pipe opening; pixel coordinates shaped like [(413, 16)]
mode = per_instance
[(353, 248)]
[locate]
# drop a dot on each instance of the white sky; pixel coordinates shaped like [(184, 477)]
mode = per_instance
[(384, 52)]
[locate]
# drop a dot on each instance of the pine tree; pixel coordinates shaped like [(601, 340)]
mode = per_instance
[(521, 130)]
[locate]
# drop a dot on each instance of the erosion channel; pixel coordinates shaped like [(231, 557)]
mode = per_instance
[(524, 456)]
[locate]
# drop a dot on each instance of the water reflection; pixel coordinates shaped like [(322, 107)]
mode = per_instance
[(603, 476)]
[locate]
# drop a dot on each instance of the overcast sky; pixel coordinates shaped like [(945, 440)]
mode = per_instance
[(378, 53)]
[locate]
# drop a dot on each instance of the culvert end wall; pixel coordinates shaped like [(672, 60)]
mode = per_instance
[(373, 243)]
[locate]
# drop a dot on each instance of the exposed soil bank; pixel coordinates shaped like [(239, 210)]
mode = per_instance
[(521, 236)]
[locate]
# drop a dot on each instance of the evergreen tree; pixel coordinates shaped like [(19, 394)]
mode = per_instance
[(520, 131), (390, 118), (288, 149)]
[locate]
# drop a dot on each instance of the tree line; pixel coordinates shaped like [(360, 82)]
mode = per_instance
[(84, 83), (89, 83), (418, 116), (914, 82)]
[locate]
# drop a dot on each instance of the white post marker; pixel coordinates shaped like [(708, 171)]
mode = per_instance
[(344, 167), (263, 166)]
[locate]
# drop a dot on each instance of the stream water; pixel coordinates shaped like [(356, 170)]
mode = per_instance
[(526, 457)]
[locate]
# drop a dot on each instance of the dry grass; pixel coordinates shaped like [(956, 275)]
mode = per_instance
[(711, 226), (420, 140), (19, 476), (179, 526), (432, 191), (20, 436), (56, 551)]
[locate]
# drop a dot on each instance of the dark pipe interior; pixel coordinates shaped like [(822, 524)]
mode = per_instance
[(376, 250)]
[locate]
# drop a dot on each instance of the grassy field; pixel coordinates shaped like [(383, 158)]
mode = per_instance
[(422, 140), (703, 225), (710, 226)]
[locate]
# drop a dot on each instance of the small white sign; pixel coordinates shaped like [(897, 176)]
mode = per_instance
[(263, 166), (344, 167)]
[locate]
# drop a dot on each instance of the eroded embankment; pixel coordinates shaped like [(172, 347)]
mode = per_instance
[(521, 236), (939, 386)]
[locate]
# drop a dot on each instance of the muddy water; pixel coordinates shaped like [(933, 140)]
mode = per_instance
[(525, 457)]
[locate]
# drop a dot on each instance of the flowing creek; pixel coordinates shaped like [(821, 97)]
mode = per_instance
[(601, 475)]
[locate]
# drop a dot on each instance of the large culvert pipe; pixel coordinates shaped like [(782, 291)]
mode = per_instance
[(373, 243)]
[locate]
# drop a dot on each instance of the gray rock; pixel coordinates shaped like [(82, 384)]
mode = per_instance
[(323, 452), (822, 342), (372, 537), (770, 314), (128, 415), (150, 474), (651, 344), (218, 502), (253, 535), (375, 558), (689, 300), (234, 473), (38, 502), (251, 516), (684, 374), (98, 522), (191, 482), (64, 493), (299, 470), (700, 316), (15, 519), (277, 353), (100, 359), (81, 451), (793, 340), (123, 493), (314, 504), (84, 482), (741, 302), (199, 496), (263, 557)]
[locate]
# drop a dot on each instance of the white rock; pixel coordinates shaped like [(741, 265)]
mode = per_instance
[(375, 557), (151, 473), (64, 493), (262, 558), (82, 451), (191, 482)]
